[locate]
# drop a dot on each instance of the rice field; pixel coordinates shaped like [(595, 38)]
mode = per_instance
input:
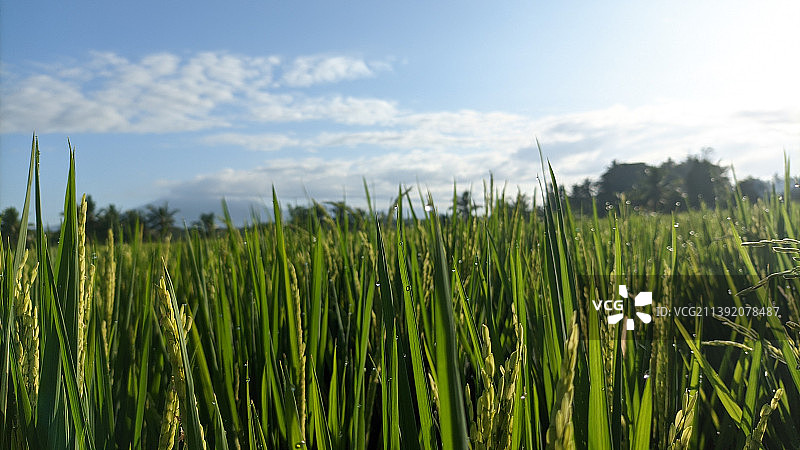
[(420, 330)]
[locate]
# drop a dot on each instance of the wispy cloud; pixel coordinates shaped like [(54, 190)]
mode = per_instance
[(309, 70), (582, 144), (260, 142), (334, 178), (164, 92), (269, 107), (47, 103), (462, 131), (437, 149)]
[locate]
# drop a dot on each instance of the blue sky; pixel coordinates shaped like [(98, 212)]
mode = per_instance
[(189, 102)]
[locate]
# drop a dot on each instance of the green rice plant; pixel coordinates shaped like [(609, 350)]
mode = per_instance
[(560, 434)]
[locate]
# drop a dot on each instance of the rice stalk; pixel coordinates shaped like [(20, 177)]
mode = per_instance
[(481, 431), (170, 420), (27, 328), (680, 431), (755, 438), (434, 391), (560, 434), (170, 330), (84, 294), (110, 275), (301, 346)]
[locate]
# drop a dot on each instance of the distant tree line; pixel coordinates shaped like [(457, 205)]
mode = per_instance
[(464, 206), (667, 187), (318, 213), (154, 221)]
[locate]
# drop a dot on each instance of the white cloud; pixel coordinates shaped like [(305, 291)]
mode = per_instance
[(582, 144), (351, 110), (261, 142), (332, 178), (46, 103), (382, 126), (308, 70), (578, 145), (165, 92), (286, 107), (161, 64), (470, 146), (580, 159)]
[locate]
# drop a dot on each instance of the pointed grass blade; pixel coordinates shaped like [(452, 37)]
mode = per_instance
[(722, 391), (193, 429), (599, 424), (641, 438), (452, 416), (420, 378)]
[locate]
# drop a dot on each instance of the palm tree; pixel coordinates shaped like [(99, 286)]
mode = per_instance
[(649, 191), (132, 220), (521, 203), (580, 196), (465, 204), (207, 222), (110, 217), (161, 218), (10, 224)]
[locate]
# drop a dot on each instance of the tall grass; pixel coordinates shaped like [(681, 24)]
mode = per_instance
[(418, 331)]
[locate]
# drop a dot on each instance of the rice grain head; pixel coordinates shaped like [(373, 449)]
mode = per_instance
[(755, 438), (26, 340), (169, 420), (560, 434), (680, 432), (301, 379), (83, 296), (492, 428), (434, 391), (169, 328), (108, 297)]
